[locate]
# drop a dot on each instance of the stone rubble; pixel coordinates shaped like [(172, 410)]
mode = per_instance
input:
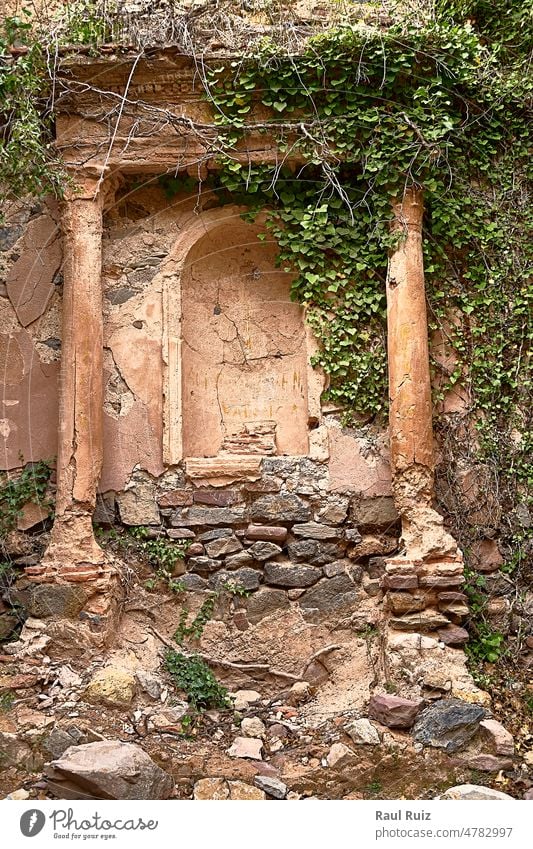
[(394, 711), (107, 770), (246, 747), (448, 724)]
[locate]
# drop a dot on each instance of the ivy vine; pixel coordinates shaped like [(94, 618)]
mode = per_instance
[(366, 113), (28, 164)]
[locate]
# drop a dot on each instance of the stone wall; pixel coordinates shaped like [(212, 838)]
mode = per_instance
[(214, 427), (278, 533), (30, 335)]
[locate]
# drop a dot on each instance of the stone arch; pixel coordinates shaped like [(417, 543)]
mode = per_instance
[(220, 281)]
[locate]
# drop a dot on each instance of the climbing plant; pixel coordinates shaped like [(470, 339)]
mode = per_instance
[(28, 164), (366, 113), (29, 486)]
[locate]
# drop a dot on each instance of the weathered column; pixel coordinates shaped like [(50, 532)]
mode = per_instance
[(411, 435), (73, 553), (421, 580)]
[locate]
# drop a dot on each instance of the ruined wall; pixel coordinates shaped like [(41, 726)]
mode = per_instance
[(268, 488), (30, 320), (214, 428)]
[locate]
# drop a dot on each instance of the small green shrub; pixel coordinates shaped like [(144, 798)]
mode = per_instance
[(195, 630), (486, 644), (375, 787), (161, 552), (7, 701), (235, 589), (195, 678), (30, 486)]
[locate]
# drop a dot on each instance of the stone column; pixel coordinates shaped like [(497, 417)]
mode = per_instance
[(74, 554), (431, 563), (411, 436)]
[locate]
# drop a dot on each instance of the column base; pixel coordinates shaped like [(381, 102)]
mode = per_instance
[(77, 589)]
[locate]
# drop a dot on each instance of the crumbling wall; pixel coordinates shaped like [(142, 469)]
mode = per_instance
[(300, 514), (30, 316)]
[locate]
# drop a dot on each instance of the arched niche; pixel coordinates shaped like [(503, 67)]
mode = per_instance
[(243, 352), (236, 349)]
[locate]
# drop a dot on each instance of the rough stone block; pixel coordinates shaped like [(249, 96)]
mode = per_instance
[(216, 498), (223, 546), (60, 600), (291, 574), (448, 724), (248, 579), (194, 583), (331, 595), (394, 711), (333, 509), (175, 498), (138, 506), (378, 512), (426, 620), (236, 561), (313, 530), (203, 564), (280, 508), (264, 603), (400, 582), (302, 550), (267, 533), (453, 636), (406, 602), (110, 770), (264, 550), (192, 517)]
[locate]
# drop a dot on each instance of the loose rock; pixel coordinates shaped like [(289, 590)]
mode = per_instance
[(251, 726), (108, 770), (246, 747), (341, 757), (111, 686), (244, 698), (149, 683), (362, 732), (466, 792), (211, 788), (271, 786), (489, 763), (240, 791), (394, 711), (501, 739), (448, 724)]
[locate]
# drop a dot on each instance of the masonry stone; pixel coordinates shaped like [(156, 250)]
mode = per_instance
[(264, 550), (280, 508), (204, 516), (264, 603), (291, 574)]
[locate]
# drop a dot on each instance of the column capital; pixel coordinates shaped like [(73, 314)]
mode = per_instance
[(92, 183)]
